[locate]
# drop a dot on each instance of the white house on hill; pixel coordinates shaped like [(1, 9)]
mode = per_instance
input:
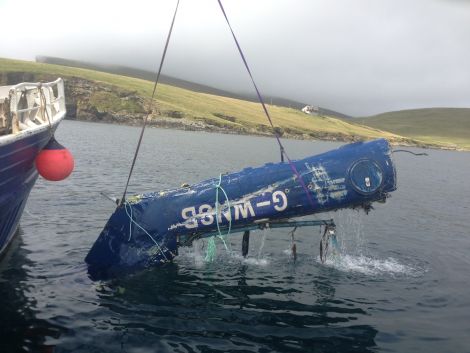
[(310, 109)]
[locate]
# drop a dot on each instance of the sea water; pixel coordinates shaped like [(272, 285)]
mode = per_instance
[(399, 281)]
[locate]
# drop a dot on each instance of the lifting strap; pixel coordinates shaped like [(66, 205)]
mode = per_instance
[(260, 98), (150, 105)]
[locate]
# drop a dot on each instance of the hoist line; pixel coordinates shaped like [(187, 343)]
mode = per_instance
[(150, 105), (266, 112), (260, 98)]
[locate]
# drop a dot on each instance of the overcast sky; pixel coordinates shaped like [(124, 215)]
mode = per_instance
[(359, 57)]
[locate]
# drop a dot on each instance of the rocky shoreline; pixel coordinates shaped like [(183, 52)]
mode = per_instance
[(95, 101), (82, 105)]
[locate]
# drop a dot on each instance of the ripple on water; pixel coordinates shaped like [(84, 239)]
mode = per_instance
[(401, 279)]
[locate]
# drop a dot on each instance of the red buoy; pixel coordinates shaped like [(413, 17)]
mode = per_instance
[(54, 162)]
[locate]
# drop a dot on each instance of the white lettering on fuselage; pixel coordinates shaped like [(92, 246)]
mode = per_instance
[(189, 213), (206, 211), (279, 200), (205, 214), (244, 210)]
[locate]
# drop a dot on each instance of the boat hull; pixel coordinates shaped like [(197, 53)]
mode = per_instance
[(18, 175), (29, 116), (147, 229)]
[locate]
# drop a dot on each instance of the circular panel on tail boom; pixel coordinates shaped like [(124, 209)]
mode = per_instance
[(366, 176)]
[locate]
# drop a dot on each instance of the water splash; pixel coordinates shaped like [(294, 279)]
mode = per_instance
[(371, 266), (253, 261), (196, 254), (350, 230), (263, 239), (353, 255)]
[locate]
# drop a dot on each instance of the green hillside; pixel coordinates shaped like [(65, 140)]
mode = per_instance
[(98, 95), (445, 126)]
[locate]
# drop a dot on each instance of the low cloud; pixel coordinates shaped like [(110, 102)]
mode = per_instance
[(360, 58)]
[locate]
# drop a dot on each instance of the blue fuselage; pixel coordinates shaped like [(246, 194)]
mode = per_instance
[(147, 229)]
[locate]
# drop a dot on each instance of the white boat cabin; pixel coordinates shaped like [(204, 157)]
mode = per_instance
[(30, 106)]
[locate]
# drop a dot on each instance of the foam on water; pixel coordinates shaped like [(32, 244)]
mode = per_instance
[(368, 265), (254, 261)]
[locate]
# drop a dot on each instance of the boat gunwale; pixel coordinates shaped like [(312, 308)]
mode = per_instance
[(32, 130)]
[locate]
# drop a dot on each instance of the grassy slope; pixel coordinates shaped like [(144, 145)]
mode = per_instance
[(449, 126), (197, 105)]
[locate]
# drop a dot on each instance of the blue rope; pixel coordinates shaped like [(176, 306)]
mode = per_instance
[(210, 253), (218, 186), (142, 228)]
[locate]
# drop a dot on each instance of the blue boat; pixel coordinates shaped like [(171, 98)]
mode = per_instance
[(29, 115), (146, 230)]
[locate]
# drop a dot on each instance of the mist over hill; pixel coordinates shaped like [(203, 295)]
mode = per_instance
[(193, 86), (105, 97)]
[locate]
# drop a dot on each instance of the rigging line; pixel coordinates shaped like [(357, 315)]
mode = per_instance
[(142, 228), (211, 248), (219, 186), (260, 98), (151, 103)]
